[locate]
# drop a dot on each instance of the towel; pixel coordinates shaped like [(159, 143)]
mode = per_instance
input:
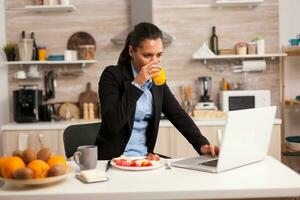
[(91, 176), (253, 65)]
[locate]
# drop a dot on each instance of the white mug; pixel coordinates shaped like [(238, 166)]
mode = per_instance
[(65, 2), (70, 55), (86, 157), (33, 71), (20, 74)]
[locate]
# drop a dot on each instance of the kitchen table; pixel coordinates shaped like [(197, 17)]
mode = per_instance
[(265, 179)]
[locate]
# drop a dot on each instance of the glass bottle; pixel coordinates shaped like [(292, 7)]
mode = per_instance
[(214, 41), (34, 47)]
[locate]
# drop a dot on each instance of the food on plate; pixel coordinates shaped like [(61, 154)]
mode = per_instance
[(29, 165), (28, 155), (57, 159), (44, 154), (143, 162), (56, 170), (39, 168), (152, 156), (10, 165), (23, 173)]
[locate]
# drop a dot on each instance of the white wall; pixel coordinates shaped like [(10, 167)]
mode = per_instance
[(289, 27), (4, 100)]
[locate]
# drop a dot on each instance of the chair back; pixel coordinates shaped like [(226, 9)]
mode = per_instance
[(78, 135)]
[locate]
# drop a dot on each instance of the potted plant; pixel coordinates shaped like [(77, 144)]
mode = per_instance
[(10, 50)]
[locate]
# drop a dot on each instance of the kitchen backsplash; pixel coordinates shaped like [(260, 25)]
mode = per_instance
[(190, 21)]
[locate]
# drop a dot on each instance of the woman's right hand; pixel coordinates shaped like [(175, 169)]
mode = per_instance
[(147, 72)]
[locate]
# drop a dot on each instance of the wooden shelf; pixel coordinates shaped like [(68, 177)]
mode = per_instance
[(47, 62), (292, 102), (290, 152), (292, 50), (51, 8)]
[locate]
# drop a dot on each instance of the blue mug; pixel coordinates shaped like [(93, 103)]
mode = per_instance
[(294, 42)]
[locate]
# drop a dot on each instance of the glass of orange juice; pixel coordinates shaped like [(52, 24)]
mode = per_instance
[(161, 78)]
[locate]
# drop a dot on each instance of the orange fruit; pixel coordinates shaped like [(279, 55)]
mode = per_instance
[(161, 78), (10, 165), (57, 159), (39, 168), (2, 161)]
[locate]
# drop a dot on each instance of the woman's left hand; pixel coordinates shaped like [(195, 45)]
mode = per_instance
[(210, 149)]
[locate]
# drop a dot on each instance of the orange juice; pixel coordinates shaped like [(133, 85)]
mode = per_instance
[(161, 78)]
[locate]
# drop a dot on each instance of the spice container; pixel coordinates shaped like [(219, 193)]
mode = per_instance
[(241, 48), (42, 53), (251, 48), (38, 2), (86, 52)]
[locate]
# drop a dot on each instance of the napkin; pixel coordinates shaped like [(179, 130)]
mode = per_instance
[(91, 176)]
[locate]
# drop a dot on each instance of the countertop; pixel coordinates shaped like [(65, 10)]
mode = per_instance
[(266, 179), (61, 125)]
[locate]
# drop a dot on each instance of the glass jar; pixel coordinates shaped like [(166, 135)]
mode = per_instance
[(42, 53), (251, 48), (86, 52), (241, 48)]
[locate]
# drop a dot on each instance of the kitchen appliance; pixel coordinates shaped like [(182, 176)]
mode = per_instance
[(27, 102), (244, 99), (205, 89)]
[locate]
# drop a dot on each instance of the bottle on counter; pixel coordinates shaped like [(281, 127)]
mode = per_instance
[(34, 47), (23, 35), (42, 53), (91, 111), (85, 111), (214, 41)]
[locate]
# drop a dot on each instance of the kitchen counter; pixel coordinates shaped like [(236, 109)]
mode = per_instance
[(64, 124), (266, 179)]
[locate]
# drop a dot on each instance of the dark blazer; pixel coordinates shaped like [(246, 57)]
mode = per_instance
[(118, 99)]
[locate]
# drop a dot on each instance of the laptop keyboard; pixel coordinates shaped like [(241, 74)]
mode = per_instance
[(212, 163)]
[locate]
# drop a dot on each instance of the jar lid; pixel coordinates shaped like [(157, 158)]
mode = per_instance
[(87, 46), (41, 47)]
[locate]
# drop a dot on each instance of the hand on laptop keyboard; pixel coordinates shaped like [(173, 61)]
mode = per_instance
[(210, 149)]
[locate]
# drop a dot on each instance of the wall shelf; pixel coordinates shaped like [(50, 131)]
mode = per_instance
[(292, 50), (47, 62), (249, 3), (50, 8), (239, 57)]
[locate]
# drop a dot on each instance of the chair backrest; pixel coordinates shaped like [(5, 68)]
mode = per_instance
[(78, 135)]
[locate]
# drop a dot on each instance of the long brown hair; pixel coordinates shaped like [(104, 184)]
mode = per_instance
[(141, 32)]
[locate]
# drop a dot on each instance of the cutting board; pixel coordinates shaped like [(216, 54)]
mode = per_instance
[(89, 96)]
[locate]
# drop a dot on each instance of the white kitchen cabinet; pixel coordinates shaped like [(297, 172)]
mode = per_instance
[(162, 145), (180, 147), (51, 138)]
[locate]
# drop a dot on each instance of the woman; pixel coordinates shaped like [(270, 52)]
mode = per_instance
[(131, 104)]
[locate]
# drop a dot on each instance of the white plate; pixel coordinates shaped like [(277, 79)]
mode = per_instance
[(41, 181), (155, 165)]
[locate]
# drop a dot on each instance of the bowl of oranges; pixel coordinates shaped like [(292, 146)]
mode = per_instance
[(28, 167)]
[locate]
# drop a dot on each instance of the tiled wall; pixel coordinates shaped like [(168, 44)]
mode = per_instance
[(190, 21)]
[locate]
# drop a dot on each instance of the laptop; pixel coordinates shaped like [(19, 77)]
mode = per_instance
[(245, 140)]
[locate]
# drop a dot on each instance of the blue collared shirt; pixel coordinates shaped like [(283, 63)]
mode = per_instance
[(136, 145)]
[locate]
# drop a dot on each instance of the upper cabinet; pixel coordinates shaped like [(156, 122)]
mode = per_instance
[(50, 8)]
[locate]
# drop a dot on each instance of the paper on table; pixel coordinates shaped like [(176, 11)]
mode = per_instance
[(93, 175)]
